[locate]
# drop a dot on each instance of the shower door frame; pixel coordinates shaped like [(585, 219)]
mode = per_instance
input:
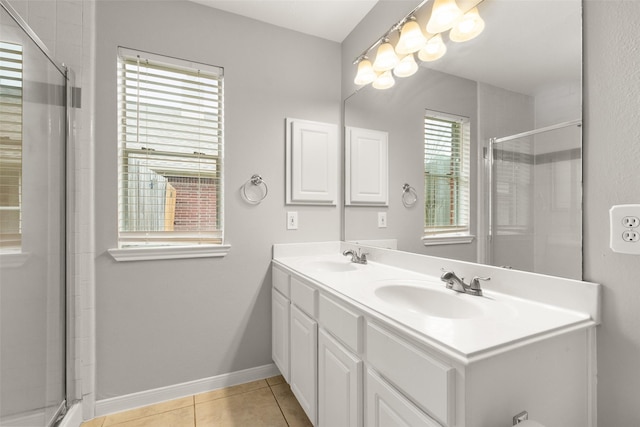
[(66, 243), (487, 223)]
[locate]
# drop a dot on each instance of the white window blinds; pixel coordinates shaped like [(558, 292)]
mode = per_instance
[(170, 151), (10, 145), (446, 173)]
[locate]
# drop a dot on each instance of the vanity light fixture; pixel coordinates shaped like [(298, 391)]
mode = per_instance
[(445, 16), (406, 67), (365, 73), (411, 38), (433, 50), (386, 57), (467, 27), (384, 81)]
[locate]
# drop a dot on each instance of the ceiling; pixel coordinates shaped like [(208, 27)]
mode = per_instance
[(327, 19), (526, 44)]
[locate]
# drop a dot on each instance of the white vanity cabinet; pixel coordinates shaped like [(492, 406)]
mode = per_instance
[(280, 321), (339, 384), (387, 407), (304, 361), (348, 366)]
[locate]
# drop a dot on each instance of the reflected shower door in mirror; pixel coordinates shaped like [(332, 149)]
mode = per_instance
[(523, 73)]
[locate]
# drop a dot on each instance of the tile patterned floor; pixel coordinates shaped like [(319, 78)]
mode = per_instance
[(267, 403)]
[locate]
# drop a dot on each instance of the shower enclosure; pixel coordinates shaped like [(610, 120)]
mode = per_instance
[(535, 202), (33, 135)]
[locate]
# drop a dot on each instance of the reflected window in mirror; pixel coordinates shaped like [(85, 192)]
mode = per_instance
[(10, 147), (446, 176)]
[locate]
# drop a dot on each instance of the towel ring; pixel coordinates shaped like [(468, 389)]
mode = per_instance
[(409, 196), (255, 180)]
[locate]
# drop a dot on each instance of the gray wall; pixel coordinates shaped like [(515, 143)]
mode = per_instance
[(611, 176), (165, 322)]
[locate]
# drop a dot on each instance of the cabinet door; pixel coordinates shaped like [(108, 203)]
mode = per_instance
[(366, 167), (280, 332), (387, 407), (304, 361), (339, 384)]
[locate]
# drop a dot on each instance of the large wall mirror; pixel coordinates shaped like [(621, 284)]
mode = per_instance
[(519, 85)]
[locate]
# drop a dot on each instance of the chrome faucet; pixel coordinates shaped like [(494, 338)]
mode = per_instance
[(357, 257), (457, 284)]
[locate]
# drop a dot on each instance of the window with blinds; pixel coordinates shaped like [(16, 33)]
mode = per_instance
[(170, 151), (10, 146), (446, 173)]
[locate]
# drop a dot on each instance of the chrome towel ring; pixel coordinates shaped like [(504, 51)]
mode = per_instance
[(258, 187), (409, 196)]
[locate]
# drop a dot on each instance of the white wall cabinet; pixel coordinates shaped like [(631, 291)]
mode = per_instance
[(339, 384), (311, 162), (366, 167), (304, 361)]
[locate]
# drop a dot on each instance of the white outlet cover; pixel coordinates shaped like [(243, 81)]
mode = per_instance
[(619, 219)]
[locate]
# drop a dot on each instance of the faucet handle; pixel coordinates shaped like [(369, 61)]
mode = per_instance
[(475, 282)]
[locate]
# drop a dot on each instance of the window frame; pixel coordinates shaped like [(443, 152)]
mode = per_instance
[(161, 244), (440, 234)]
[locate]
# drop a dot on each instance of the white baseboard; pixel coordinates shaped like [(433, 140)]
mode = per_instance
[(24, 420), (150, 397)]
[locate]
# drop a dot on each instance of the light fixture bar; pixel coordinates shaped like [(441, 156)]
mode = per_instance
[(397, 26)]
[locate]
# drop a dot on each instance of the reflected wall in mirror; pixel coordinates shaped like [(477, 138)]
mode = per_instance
[(522, 75)]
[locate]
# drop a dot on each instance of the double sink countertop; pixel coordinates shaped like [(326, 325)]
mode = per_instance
[(464, 327)]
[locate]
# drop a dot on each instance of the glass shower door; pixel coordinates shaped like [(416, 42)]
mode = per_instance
[(536, 201), (32, 231)]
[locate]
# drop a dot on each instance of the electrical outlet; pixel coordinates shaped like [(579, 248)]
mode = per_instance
[(630, 236), (625, 229), (292, 220), (382, 220), (630, 221)]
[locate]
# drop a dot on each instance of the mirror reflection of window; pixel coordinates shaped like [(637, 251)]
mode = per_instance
[(446, 174), (10, 146)]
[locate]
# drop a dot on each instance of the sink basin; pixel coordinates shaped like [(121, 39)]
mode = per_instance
[(332, 266), (430, 302)]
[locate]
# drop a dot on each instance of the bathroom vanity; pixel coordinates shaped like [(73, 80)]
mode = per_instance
[(386, 344)]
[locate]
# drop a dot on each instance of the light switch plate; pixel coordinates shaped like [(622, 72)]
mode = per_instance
[(382, 220), (292, 220), (625, 229)]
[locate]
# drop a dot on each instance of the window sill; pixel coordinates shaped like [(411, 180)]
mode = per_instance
[(168, 252), (452, 239), (13, 259)]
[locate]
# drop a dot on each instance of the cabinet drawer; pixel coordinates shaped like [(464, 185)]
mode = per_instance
[(427, 381), (280, 281), (341, 322), (305, 297)]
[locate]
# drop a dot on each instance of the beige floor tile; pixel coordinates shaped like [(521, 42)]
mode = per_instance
[(147, 411), (182, 417), (275, 380), (96, 422), (290, 407), (230, 391), (254, 408)]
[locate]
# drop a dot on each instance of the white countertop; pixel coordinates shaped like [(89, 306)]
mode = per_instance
[(499, 321)]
